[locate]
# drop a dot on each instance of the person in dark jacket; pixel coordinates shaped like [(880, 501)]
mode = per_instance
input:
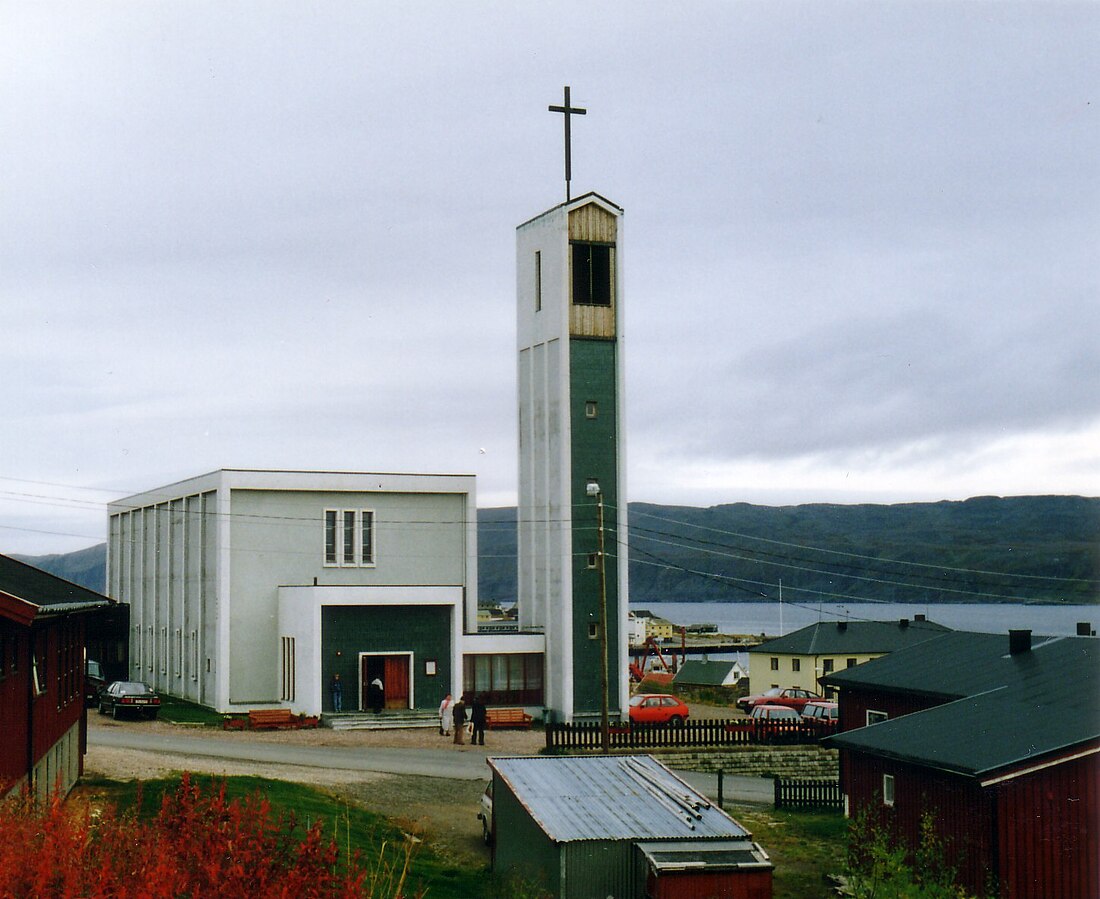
[(477, 719), (460, 719)]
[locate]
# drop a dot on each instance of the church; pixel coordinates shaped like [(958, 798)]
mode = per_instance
[(251, 589)]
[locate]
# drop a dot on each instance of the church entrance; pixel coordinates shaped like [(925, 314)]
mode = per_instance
[(392, 672)]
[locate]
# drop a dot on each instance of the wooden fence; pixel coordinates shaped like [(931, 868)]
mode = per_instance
[(704, 732), (802, 794)]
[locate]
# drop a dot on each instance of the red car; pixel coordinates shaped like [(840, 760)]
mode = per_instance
[(822, 716), (777, 723), (657, 708), (792, 697)]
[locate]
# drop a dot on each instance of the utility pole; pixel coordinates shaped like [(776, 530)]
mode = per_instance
[(605, 724)]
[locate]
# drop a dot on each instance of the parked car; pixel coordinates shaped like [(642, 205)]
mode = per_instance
[(125, 696), (777, 723), (657, 708), (792, 697), (745, 703), (94, 682), (823, 716), (486, 814)]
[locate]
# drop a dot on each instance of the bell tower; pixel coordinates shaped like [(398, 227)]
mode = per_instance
[(572, 497)]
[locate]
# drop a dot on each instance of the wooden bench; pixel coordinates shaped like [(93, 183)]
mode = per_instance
[(495, 718), (271, 719)]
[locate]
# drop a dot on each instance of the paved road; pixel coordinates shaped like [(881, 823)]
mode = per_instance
[(465, 764)]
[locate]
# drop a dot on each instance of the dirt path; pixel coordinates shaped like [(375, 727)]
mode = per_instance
[(441, 811)]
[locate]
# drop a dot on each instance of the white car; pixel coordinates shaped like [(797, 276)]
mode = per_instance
[(486, 814)]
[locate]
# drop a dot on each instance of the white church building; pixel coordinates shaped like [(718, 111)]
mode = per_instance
[(251, 589)]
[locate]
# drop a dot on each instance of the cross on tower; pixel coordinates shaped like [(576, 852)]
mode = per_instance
[(567, 111)]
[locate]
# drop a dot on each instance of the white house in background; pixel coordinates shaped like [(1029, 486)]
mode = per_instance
[(250, 588)]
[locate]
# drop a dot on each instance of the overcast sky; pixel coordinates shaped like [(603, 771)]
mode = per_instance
[(860, 246)]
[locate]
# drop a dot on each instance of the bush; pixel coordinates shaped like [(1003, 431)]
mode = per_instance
[(197, 845)]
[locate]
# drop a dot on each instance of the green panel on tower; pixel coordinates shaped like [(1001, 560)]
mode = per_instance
[(594, 458)]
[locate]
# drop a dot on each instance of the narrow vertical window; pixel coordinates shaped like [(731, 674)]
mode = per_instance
[(888, 789), (367, 537), (538, 280), (591, 409), (349, 538), (330, 537)]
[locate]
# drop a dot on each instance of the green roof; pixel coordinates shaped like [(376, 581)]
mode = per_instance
[(703, 672), (41, 588), (1003, 710), (851, 637)]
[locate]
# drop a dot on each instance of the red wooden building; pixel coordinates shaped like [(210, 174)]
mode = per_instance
[(997, 741), (42, 718)]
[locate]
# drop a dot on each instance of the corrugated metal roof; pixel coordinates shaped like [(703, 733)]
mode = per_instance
[(612, 798)]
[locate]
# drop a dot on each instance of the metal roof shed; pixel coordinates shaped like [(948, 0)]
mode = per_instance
[(622, 826)]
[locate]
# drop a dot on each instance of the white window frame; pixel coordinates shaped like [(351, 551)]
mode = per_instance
[(889, 790), (362, 523), (876, 717)]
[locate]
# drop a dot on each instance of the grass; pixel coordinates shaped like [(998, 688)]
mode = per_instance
[(180, 711), (804, 847), (353, 828)]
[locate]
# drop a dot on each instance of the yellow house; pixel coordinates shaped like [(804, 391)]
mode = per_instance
[(802, 657)]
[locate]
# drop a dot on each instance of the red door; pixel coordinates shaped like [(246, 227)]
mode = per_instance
[(396, 680)]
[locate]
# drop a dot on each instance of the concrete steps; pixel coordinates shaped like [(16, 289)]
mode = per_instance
[(388, 719)]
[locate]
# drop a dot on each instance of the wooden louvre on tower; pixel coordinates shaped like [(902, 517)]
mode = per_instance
[(593, 232)]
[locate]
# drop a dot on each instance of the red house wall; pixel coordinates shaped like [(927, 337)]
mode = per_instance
[(54, 648), (853, 710), (15, 656), (1049, 832), (962, 813)]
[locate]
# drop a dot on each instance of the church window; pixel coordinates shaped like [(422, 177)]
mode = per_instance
[(591, 274), (349, 537), (538, 280)]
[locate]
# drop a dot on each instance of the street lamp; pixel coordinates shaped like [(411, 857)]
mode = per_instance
[(605, 726)]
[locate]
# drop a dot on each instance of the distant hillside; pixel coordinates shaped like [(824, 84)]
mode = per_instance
[(987, 549), (87, 567)]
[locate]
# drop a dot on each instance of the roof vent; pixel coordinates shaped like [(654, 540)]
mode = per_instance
[(842, 625), (904, 623), (920, 617), (1019, 641), (1084, 629)]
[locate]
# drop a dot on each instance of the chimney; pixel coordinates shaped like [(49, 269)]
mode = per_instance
[(920, 617), (1019, 641), (904, 623), (1084, 629), (842, 625)]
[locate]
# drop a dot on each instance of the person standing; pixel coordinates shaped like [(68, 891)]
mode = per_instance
[(337, 690), (446, 716), (477, 719), (377, 695), (459, 719)]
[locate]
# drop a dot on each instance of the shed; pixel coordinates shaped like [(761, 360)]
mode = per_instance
[(622, 826), (709, 673)]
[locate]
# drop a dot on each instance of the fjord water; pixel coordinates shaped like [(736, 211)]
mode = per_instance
[(773, 618)]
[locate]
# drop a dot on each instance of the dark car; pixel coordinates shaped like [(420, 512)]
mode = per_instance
[(822, 716), (94, 682), (129, 697), (657, 708)]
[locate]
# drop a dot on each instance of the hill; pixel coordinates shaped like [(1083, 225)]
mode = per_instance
[(986, 549)]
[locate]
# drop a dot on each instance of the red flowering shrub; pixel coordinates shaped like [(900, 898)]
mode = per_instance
[(196, 846)]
